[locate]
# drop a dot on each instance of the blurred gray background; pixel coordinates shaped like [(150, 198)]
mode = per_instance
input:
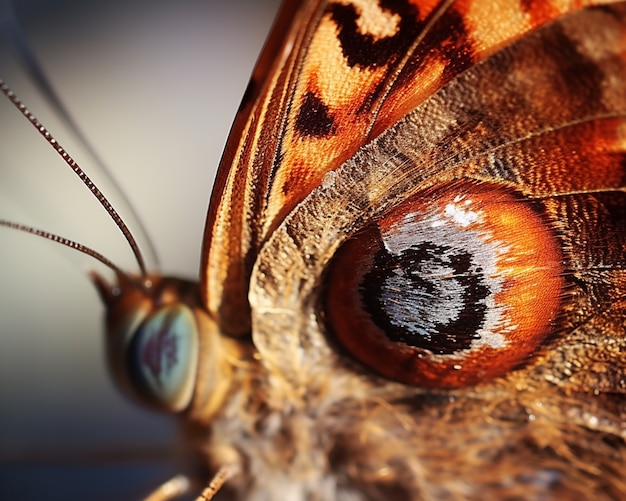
[(155, 86)]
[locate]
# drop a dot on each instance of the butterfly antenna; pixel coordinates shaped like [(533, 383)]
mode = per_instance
[(81, 175), (65, 241), (15, 37)]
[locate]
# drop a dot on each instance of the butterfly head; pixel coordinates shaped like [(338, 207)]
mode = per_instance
[(152, 338)]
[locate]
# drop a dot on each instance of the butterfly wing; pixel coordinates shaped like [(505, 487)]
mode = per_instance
[(333, 76), (545, 116), (361, 108)]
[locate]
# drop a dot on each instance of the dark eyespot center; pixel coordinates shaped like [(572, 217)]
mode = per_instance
[(443, 290), (429, 296)]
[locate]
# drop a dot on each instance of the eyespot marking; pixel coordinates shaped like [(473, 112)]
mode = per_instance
[(443, 290)]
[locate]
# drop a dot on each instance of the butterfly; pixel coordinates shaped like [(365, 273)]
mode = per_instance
[(412, 274)]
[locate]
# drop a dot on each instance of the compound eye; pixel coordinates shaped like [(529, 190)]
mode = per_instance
[(162, 357), (455, 286)]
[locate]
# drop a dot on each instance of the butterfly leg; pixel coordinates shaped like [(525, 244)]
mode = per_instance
[(173, 488), (222, 475), (182, 484)]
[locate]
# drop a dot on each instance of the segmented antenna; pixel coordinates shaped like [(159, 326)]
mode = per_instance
[(4, 88), (13, 34), (64, 241)]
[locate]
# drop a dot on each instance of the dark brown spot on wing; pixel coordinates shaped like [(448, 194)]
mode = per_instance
[(365, 50), (314, 118)]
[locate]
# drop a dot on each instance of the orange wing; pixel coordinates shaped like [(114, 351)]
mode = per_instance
[(333, 76)]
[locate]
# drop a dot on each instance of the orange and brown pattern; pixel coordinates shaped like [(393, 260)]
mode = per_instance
[(414, 270), (334, 76), (361, 116)]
